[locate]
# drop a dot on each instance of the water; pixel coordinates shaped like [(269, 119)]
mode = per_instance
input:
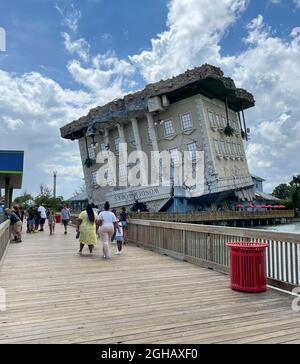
[(283, 228)]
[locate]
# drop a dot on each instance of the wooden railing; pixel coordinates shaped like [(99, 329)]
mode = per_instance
[(212, 216), (4, 238), (205, 245)]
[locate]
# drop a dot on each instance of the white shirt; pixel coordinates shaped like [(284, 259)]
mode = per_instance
[(42, 212), (107, 217), (120, 232)]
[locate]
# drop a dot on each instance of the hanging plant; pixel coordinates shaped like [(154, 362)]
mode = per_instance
[(243, 134), (89, 162), (228, 130)]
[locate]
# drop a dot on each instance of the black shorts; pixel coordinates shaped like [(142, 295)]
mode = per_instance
[(65, 222), (42, 221)]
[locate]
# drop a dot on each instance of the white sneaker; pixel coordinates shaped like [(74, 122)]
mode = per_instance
[(119, 253)]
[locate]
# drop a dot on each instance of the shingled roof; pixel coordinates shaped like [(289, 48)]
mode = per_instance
[(207, 80)]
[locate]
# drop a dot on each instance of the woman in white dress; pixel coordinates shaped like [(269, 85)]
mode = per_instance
[(108, 222)]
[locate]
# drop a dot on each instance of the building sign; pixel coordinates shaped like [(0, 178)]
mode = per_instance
[(11, 162), (11, 168), (130, 196)]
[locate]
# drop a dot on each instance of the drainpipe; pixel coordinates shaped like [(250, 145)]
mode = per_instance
[(244, 121)]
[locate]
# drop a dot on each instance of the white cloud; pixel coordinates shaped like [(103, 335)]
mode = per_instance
[(297, 3), (32, 109), (195, 28), (80, 46), (70, 17), (11, 123), (108, 77)]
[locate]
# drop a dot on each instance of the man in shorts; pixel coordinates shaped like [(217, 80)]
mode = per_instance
[(43, 216), (65, 217)]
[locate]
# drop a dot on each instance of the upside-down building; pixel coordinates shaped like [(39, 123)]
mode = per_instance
[(199, 110)]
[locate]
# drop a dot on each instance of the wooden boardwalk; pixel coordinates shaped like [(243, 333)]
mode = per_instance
[(56, 296)]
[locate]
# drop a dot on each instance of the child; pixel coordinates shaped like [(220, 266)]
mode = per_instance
[(119, 237), (51, 221)]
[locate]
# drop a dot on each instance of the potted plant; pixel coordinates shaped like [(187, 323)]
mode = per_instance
[(89, 162), (228, 130)]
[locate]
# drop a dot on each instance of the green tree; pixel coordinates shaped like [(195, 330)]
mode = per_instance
[(24, 200), (50, 202), (282, 191), (46, 199), (295, 195)]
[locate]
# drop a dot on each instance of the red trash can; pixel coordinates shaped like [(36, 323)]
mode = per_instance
[(248, 266), (57, 218)]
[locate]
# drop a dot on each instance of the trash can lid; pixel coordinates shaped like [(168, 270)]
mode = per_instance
[(247, 245)]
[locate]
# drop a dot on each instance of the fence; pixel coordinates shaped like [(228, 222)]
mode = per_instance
[(4, 238), (205, 245), (213, 215)]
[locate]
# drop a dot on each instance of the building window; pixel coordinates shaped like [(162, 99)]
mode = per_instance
[(217, 147), (224, 122), (232, 149), (169, 128), (227, 149), (175, 155), (149, 136), (122, 170), (223, 148), (91, 152), (186, 121), (94, 177), (103, 147), (131, 137), (192, 148), (212, 119), (232, 124), (218, 121), (117, 144)]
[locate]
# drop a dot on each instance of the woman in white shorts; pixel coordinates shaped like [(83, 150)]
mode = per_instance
[(108, 222)]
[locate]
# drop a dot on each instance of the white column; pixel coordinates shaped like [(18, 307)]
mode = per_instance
[(152, 132), (121, 133), (106, 136), (136, 134)]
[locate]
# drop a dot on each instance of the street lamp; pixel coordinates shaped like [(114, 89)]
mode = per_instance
[(54, 183)]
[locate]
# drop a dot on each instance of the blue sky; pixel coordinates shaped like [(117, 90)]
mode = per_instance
[(64, 57)]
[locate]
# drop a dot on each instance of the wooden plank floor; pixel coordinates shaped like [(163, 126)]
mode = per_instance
[(56, 296)]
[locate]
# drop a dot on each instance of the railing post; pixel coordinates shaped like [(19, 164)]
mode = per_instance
[(209, 248)]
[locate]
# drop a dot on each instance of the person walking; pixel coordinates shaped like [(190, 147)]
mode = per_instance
[(108, 222), (86, 226), (16, 225), (124, 221), (114, 211), (30, 220), (65, 217), (51, 221), (43, 216), (37, 218), (119, 238)]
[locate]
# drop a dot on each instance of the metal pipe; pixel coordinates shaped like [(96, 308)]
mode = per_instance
[(226, 107), (244, 121)]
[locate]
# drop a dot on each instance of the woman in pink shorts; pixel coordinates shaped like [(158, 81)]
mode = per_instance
[(108, 222)]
